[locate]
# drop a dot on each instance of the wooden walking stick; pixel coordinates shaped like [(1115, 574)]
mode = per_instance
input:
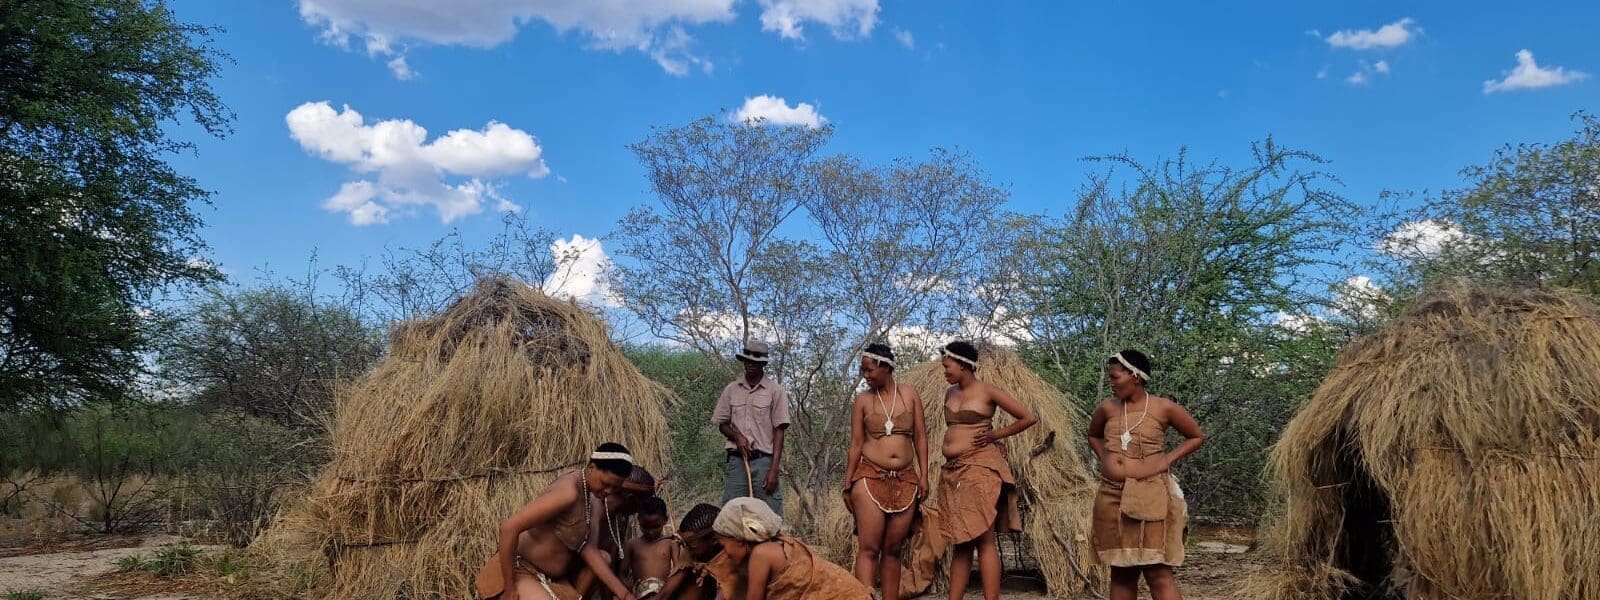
[(749, 481)]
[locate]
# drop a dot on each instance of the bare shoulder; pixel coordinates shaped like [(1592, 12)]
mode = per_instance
[(1166, 405), (1107, 406), (771, 552), (909, 391)]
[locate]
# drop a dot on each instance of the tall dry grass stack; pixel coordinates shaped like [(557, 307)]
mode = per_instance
[(472, 414), (1453, 454), (1056, 490)]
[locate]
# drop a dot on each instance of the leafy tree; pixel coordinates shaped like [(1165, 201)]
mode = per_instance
[(94, 218), (756, 236), (696, 454), (1203, 268), (1530, 215), (277, 352)]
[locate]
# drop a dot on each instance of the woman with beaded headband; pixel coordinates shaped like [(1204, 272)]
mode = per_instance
[(1139, 510), (977, 493), (539, 543), (887, 468)]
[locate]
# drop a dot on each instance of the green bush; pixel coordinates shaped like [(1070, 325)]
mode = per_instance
[(25, 594), (170, 561), (130, 563), (696, 452)]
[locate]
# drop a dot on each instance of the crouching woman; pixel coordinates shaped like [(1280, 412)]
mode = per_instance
[(759, 562)]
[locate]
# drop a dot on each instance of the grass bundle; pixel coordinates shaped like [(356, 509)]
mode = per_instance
[(1453, 454), (471, 415)]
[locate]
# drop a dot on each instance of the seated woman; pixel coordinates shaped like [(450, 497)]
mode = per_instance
[(623, 503), (888, 468), (539, 543), (759, 562), (976, 482)]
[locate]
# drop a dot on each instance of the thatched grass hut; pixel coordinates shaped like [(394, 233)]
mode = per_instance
[(1056, 489), (1453, 454), (473, 412)]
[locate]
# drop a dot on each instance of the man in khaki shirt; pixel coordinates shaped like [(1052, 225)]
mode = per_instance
[(753, 413)]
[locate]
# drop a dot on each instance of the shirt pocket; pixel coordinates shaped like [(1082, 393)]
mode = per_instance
[(761, 400)]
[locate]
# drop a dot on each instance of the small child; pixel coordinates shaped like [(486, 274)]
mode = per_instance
[(651, 557), (699, 545)]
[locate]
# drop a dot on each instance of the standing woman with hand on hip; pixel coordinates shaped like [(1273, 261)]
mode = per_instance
[(1139, 511), (977, 492), (887, 470)]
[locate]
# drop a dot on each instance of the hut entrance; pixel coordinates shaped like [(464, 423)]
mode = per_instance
[(1366, 540)]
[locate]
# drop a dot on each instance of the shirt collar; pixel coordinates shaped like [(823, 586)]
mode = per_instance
[(746, 384)]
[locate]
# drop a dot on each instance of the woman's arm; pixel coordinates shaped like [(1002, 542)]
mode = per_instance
[(858, 433), (1097, 431), (536, 512), (597, 560), (764, 559), (1181, 420), (1025, 416), (919, 435)]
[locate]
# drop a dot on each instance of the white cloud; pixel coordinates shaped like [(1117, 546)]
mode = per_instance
[(846, 18), (401, 69), (1297, 322), (1528, 75), (1322, 73), (773, 110), (1359, 298), (410, 171), (1381, 66), (905, 38), (1001, 327), (653, 27), (580, 266), (1389, 36), (1420, 239), (1357, 78)]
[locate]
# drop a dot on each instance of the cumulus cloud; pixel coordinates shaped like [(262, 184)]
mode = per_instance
[(1381, 66), (845, 18), (772, 110), (580, 267), (1359, 298), (401, 69), (905, 38), (1393, 35), (1357, 78), (654, 27), (407, 171), (1420, 239), (1528, 75), (1297, 322)]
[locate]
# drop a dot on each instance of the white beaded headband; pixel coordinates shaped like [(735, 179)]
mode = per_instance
[(622, 456), (881, 359), (1137, 372), (968, 361)]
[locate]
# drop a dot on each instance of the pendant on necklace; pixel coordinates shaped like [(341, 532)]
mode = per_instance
[(1127, 438), (888, 427)]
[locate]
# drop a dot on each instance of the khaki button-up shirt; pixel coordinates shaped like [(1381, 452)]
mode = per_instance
[(754, 411)]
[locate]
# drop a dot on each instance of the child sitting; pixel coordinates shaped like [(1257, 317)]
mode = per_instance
[(652, 556)]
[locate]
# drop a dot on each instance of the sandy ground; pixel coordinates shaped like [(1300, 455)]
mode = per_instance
[(1213, 571), (59, 570)]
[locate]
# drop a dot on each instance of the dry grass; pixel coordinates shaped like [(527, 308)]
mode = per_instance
[(1056, 489), (1453, 454), (473, 413)]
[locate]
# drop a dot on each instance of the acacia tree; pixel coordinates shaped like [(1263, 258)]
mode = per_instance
[(1197, 266), (95, 220), (755, 237), (1530, 215)]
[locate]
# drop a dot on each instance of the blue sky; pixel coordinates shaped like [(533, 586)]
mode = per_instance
[(1395, 97)]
